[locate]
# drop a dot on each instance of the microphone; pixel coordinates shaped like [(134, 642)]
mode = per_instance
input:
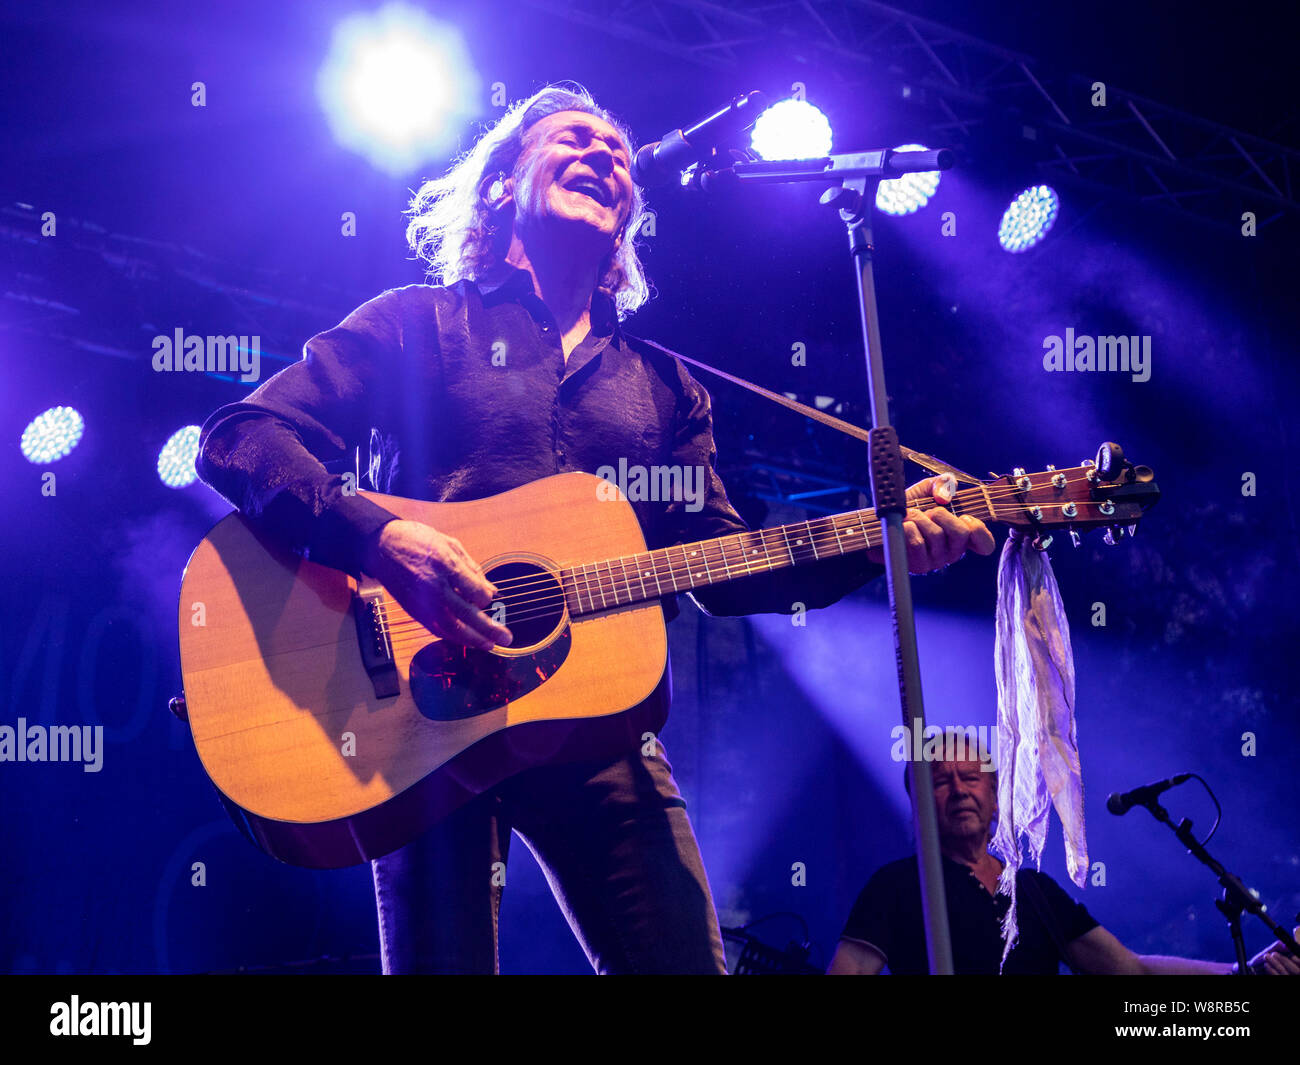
[(1122, 802), (663, 161)]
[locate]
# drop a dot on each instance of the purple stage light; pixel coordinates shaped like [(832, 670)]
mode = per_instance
[(395, 84), (791, 129), (52, 434), (910, 192), (176, 459), (1028, 218)]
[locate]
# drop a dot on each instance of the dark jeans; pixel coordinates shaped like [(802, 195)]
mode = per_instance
[(615, 844)]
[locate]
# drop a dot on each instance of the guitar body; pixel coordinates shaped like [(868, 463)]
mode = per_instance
[(331, 743)]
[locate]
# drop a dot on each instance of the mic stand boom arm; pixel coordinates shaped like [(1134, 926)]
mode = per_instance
[(1236, 898)]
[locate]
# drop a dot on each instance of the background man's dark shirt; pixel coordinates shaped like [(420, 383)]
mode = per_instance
[(459, 392), (888, 916)]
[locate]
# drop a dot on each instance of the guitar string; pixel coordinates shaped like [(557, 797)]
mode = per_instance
[(600, 582), (583, 583), (977, 494), (817, 527), (404, 623)]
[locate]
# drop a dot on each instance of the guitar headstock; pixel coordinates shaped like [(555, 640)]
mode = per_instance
[(1108, 492)]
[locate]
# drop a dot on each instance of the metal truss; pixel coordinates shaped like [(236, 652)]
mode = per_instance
[(1145, 150), (818, 491), (120, 282)]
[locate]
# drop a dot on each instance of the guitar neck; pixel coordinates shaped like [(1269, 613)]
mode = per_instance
[(614, 582)]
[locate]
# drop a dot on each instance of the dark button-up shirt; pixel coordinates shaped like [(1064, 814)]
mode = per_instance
[(462, 391)]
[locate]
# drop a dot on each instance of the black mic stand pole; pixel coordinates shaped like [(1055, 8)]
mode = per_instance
[(1236, 898), (860, 173)]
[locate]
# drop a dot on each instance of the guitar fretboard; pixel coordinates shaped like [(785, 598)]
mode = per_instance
[(615, 582)]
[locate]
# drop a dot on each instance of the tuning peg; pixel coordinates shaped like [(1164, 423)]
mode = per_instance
[(1113, 534), (1132, 530), (1075, 538)]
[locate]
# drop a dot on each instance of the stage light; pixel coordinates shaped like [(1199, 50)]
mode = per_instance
[(791, 129), (176, 459), (52, 434), (395, 85), (911, 191), (1028, 218)]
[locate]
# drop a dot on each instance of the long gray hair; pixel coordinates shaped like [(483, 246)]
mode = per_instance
[(451, 228)]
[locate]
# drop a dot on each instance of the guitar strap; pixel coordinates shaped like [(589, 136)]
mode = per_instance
[(926, 462)]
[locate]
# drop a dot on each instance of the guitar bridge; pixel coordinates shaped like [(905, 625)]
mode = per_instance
[(375, 639)]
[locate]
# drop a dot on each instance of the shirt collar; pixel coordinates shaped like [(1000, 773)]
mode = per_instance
[(505, 282), (508, 282)]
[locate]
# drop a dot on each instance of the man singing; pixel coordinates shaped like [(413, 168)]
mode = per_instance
[(515, 367)]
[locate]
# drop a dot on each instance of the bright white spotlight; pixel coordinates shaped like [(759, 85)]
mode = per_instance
[(791, 129), (910, 192), (52, 434), (1028, 218), (395, 84), (176, 459)]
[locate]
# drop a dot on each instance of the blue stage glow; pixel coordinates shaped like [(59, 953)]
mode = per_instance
[(791, 129), (395, 85), (1028, 218), (52, 434), (910, 192), (176, 459)]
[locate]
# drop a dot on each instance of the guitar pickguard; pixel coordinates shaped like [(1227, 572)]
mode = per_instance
[(450, 681)]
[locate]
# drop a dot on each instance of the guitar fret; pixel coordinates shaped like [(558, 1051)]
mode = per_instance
[(788, 548), (654, 562), (866, 534), (687, 563), (723, 547), (812, 540), (613, 581), (640, 574), (704, 557), (590, 601), (746, 552)]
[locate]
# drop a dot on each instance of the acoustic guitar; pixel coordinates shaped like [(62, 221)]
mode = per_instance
[(336, 728)]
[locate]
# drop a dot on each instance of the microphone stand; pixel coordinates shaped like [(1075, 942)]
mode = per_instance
[(859, 174), (1236, 898)]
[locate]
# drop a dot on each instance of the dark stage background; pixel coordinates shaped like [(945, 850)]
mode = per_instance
[(176, 216)]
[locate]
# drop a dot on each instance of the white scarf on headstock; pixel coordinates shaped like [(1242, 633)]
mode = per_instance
[(1038, 757)]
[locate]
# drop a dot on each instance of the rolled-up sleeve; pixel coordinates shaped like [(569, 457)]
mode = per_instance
[(815, 585), (266, 454)]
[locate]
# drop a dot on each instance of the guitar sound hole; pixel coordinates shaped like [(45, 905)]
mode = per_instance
[(450, 681), (529, 602)]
